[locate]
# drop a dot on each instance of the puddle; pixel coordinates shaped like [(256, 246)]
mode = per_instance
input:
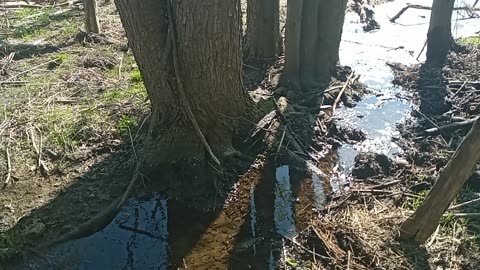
[(377, 114), (284, 222), (138, 234)]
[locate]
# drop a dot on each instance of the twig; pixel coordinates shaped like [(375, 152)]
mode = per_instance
[(459, 89), (453, 207), (434, 236), (463, 214), (281, 143), (120, 67), (307, 250), (9, 168), (450, 127), (131, 142), (341, 92), (183, 96), (348, 260), (28, 70), (421, 51), (433, 123)]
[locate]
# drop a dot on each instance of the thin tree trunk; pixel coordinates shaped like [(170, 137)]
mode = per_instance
[(263, 29), (92, 24), (461, 166), (209, 62), (439, 32)]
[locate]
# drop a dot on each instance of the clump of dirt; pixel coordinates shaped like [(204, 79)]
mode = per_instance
[(346, 134), (371, 164)]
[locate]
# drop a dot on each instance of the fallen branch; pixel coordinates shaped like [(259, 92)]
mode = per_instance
[(28, 70), (453, 207), (450, 127), (394, 18)]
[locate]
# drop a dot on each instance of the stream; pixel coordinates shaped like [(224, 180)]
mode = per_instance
[(265, 209)]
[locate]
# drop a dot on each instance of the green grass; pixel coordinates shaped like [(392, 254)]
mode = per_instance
[(59, 126), (473, 41), (136, 77), (117, 95), (126, 123)]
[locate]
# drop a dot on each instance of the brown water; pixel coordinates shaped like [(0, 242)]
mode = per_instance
[(267, 205)]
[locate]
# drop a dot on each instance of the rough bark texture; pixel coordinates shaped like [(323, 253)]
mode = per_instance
[(92, 25), (313, 35), (461, 166), (439, 35), (209, 59), (263, 29)]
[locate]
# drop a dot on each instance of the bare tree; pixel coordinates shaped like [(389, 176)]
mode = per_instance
[(263, 30), (461, 166), (313, 34), (439, 37), (92, 25)]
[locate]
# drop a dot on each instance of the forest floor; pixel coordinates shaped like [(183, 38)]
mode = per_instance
[(80, 99), (359, 229)]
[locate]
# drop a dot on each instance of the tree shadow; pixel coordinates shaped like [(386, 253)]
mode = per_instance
[(432, 88)]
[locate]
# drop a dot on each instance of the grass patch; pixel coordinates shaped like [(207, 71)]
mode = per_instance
[(126, 123), (136, 76), (119, 95), (59, 127), (473, 41)]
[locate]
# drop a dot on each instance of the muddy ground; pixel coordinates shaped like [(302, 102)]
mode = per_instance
[(361, 229)]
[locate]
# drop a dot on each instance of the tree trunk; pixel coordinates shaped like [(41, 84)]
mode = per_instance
[(314, 30), (439, 35), (293, 29), (263, 29), (92, 24), (461, 166), (209, 69)]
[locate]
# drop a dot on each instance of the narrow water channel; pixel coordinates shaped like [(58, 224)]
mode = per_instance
[(263, 210)]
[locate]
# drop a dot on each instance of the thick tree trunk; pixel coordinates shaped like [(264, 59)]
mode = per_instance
[(263, 29), (92, 25), (209, 63), (439, 35), (293, 30), (314, 30), (461, 166)]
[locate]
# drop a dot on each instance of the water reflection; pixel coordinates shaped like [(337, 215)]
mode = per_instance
[(136, 236)]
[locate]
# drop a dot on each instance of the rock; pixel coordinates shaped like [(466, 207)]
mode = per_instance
[(402, 163), (371, 164)]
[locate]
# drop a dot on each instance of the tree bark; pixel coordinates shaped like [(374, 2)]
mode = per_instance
[(461, 166), (209, 62), (263, 29), (293, 30), (92, 25), (439, 35), (313, 35)]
